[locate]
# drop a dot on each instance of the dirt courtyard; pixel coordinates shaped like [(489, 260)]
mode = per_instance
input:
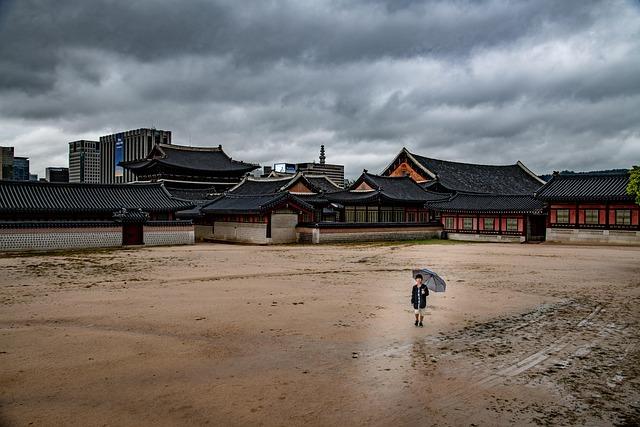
[(320, 335)]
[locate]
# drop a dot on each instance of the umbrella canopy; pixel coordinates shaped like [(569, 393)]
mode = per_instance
[(434, 282)]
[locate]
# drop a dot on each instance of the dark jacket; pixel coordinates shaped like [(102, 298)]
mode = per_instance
[(419, 296)]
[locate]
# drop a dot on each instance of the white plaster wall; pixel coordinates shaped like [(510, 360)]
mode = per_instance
[(283, 227), (203, 232), (242, 232)]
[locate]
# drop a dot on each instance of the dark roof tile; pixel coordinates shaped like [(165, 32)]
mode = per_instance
[(25, 196), (475, 178), (203, 159), (489, 203), (251, 204), (585, 187)]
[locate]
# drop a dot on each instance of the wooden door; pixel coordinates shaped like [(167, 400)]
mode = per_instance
[(132, 234)]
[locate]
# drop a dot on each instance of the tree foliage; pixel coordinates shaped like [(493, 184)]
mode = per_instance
[(634, 183)]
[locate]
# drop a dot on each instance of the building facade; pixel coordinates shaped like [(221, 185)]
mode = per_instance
[(57, 174), (84, 161), (21, 169), (332, 171), (487, 217), (591, 208), (6, 162), (485, 203), (125, 147)]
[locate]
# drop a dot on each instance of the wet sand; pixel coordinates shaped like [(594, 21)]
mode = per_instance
[(320, 335)]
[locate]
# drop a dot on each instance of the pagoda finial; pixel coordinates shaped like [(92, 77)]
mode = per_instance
[(322, 156)]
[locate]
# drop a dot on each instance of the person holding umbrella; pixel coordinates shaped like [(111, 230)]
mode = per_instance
[(420, 291), (419, 294)]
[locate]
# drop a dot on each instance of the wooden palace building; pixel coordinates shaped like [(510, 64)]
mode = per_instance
[(592, 208), (264, 210), (190, 169), (484, 202)]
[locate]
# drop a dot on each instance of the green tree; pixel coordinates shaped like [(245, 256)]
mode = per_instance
[(634, 183)]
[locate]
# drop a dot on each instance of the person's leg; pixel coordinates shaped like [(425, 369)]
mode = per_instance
[(421, 316), (417, 317)]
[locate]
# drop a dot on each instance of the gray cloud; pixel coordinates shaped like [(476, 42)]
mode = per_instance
[(554, 84)]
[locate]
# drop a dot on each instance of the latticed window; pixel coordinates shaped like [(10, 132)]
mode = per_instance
[(449, 223), (467, 223), (423, 216), (386, 214), (512, 224), (623, 216), (488, 223), (398, 215), (361, 214), (591, 216), (349, 214), (412, 216), (372, 214), (562, 216)]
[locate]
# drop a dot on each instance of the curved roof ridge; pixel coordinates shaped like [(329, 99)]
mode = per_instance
[(191, 148), (79, 184), (591, 175)]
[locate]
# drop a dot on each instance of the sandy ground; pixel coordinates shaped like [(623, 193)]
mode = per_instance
[(321, 335)]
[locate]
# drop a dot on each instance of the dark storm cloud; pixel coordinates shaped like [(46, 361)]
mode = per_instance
[(555, 84)]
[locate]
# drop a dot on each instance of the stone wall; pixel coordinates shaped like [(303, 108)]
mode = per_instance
[(345, 234), (469, 237), (54, 236), (241, 232), (167, 235), (17, 239), (612, 237)]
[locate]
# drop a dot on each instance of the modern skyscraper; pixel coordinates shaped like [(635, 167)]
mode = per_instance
[(6, 162), (21, 169), (127, 146), (84, 161), (57, 174)]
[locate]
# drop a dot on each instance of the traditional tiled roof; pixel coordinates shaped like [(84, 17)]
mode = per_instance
[(251, 185), (201, 159), (252, 204), (193, 194), (32, 196), (476, 178), (400, 189), (489, 203), (323, 183), (586, 187)]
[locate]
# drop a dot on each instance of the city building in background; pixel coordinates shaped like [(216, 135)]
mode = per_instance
[(332, 171), (6, 162), (33, 177), (126, 147), (57, 174), (84, 161), (21, 169)]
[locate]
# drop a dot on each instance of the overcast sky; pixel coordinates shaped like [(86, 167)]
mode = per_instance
[(555, 84)]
